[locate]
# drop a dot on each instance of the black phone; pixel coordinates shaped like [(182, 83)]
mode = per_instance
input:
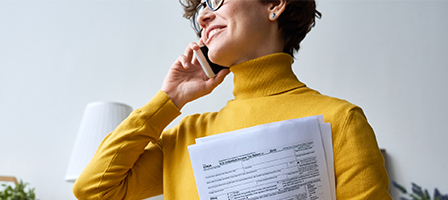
[(210, 69)]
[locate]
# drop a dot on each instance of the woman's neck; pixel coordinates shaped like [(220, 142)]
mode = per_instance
[(264, 76)]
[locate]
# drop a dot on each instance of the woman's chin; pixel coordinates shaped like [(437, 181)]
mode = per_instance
[(218, 58)]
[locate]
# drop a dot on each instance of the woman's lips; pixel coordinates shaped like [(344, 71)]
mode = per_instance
[(212, 32)]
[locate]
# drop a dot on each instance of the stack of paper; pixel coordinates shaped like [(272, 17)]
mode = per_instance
[(285, 160)]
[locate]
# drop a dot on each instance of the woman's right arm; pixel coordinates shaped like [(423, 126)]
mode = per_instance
[(128, 163)]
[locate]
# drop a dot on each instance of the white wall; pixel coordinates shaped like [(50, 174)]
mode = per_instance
[(389, 57)]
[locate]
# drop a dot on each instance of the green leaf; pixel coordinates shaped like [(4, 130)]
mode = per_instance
[(399, 187), (417, 190), (426, 195)]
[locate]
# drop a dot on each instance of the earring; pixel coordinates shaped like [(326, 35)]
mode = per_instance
[(273, 15)]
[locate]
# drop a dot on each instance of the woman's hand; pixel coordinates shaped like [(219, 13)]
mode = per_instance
[(186, 81)]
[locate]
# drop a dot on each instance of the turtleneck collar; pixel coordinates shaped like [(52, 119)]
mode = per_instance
[(264, 76)]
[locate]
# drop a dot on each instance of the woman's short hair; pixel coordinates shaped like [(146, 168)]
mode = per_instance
[(295, 22)]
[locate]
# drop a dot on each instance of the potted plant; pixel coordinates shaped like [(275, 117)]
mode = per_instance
[(418, 193), (17, 193)]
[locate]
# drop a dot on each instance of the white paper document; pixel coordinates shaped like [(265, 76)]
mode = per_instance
[(287, 160)]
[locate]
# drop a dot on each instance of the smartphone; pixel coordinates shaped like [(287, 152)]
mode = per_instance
[(210, 69)]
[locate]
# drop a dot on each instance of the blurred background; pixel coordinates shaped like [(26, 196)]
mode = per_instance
[(389, 57)]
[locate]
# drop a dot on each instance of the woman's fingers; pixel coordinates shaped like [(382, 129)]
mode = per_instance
[(184, 61), (189, 51)]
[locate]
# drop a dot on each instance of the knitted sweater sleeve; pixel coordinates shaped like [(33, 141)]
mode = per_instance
[(128, 162), (359, 165)]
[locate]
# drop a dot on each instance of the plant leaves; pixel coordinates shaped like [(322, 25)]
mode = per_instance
[(437, 193), (417, 190), (426, 195), (399, 187), (18, 192)]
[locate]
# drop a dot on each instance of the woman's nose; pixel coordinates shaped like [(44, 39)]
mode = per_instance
[(205, 16)]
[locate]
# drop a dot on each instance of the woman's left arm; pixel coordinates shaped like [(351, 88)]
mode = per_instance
[(359, 165)]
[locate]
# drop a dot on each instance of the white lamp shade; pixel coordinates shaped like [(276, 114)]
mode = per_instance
[(98, 120)]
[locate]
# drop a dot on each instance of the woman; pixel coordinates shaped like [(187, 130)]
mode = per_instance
[(257, 40)]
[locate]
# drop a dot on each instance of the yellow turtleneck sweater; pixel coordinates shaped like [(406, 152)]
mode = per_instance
[(140, 159)]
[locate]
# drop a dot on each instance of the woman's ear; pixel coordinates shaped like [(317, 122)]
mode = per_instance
[(276, 8)]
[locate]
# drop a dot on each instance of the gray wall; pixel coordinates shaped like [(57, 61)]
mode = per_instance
[(389, 57)]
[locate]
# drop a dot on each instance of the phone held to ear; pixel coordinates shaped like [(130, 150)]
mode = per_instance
[(210, 69)]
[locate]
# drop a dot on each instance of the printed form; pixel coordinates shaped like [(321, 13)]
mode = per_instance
[(287, 160)]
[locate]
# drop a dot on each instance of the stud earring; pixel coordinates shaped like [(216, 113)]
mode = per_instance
[(273, 15)]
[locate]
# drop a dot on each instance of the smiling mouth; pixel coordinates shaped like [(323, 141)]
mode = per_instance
[(213, 33)]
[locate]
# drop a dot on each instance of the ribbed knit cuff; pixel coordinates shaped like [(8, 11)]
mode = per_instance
[(158, 113)]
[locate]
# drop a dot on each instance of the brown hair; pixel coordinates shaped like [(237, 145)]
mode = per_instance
[(295, 22)]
